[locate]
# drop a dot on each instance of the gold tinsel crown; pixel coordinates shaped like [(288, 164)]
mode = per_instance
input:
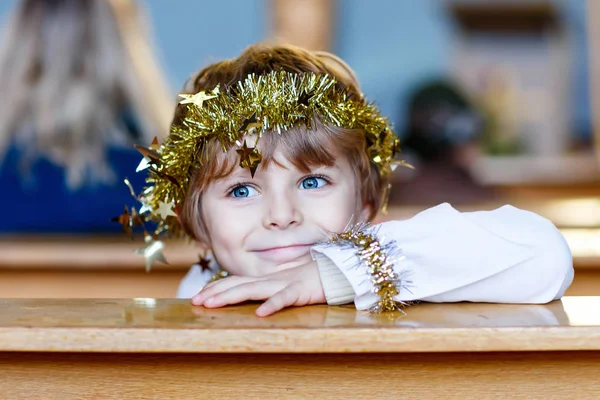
[(274, 103)]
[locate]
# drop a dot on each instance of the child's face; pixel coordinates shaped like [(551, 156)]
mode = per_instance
[(267, 223)]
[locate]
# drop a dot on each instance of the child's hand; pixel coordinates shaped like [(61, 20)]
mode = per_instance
[(297, 286)]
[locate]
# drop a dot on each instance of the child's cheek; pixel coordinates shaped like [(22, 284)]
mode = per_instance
[(229, 241), (335, 212)]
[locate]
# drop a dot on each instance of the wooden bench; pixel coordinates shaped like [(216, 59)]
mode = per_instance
[(167, 349), (92, 267)]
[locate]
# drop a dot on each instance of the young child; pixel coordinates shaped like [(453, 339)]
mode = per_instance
[(276, 161)]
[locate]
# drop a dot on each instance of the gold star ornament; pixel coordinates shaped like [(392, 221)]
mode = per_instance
[(150, 155), (199, 98), (250, 123), (145, 163), (249, 157), (152, 252), (204, 262), (166, 209), (125, 221), (154, 145)]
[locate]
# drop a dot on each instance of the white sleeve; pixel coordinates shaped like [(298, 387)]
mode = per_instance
[(502, 256), (193, 281)]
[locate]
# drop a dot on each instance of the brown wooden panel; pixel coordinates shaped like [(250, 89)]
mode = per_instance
[(89, 283), (549, 375)]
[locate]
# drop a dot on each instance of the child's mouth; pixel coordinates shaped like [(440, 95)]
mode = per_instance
[(284, 254)]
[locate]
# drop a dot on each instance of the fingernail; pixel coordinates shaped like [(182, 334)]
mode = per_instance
[(209, 301), (196, 299), (260, 312)]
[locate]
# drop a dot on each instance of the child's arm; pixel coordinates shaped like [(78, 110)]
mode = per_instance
[(504, 256)]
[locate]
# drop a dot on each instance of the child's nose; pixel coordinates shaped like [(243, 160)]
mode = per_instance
[(281, 212)]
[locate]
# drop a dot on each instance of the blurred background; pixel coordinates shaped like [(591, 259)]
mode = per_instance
[(493, 102)]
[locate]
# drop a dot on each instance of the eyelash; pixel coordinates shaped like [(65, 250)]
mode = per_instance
[(241, 183), (326, 179), (235, 186)]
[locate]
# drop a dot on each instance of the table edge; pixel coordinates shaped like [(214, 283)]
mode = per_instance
[(300, 340)]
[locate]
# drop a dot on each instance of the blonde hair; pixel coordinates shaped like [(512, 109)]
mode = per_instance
[(69, 69), (302, 149)]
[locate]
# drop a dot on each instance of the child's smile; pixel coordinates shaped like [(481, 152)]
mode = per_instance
[(283, 254), (269, 222)]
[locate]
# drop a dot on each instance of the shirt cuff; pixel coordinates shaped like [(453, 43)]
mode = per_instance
[(336, 286)]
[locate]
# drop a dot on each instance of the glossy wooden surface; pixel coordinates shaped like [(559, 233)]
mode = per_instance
[(151, 325)]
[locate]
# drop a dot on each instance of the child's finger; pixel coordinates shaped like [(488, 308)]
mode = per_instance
[(257, 290), (289, 296), (217, 287)]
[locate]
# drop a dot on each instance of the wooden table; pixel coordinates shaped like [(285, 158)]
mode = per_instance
[(167, 349)]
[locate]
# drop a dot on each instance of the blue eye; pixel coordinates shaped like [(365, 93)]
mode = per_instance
[(313, 183), (244, 191)]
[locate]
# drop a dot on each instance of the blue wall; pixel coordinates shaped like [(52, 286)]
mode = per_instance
[(574, 14), (392, 45), (193, 33)]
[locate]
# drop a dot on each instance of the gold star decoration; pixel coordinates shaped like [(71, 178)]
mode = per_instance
[(149, 153), (250, 123), (135, 219), (154, 145), (304, 99), (249, 158), (374, 152), (199, 98), (125, 221), (145, 208), (145, 199), (204, 262), (166, 176), (152, 252), (166, 209), (395, 164), (145, 163)]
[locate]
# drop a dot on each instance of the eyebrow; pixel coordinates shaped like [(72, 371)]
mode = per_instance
[(326, 167), (238, 173)]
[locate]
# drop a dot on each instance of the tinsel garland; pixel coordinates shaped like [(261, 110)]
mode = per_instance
[(379, 261)]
